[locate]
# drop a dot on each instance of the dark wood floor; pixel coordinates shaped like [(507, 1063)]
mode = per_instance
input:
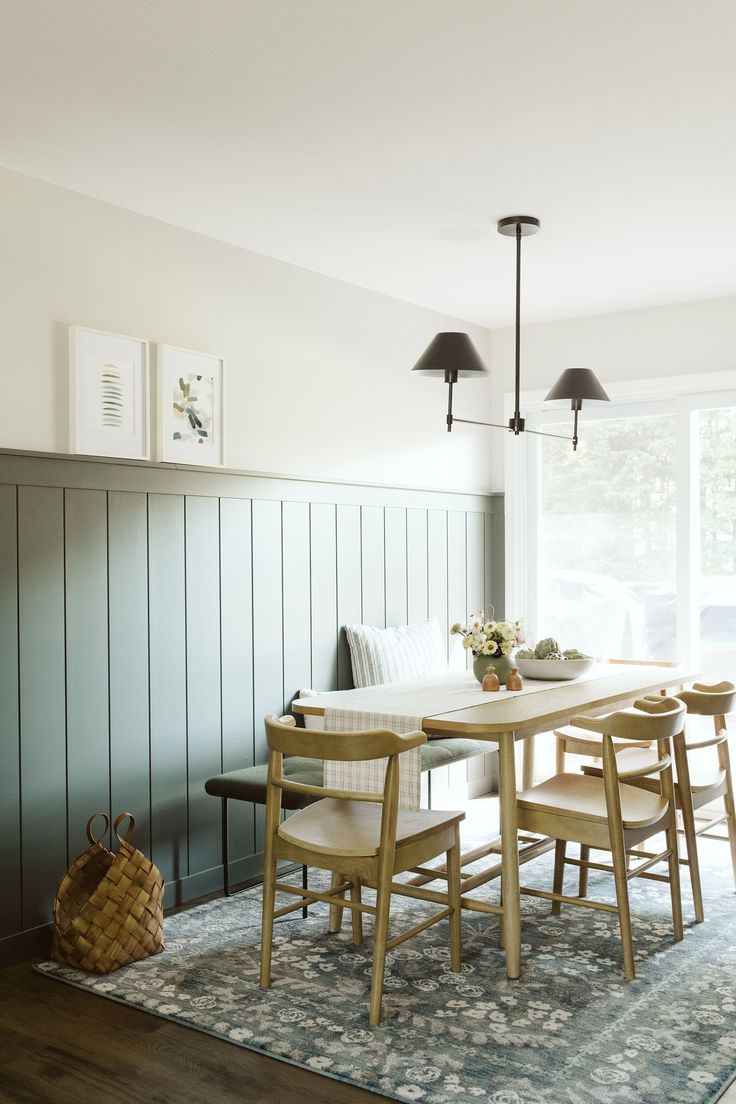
[(59, 1045)]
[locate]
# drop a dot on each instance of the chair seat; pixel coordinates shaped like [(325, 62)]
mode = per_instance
[(704, 771), (581, 737), (350, 828), (578, 796), (249, 784)]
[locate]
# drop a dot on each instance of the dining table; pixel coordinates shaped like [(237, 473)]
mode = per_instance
[(453, 705)]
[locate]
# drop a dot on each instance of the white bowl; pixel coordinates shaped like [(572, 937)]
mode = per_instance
[(553, 670)]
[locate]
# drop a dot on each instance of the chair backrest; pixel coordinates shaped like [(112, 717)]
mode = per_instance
[(653, 719), (641, 662), (648, 719), (709, 701), (347, 747)]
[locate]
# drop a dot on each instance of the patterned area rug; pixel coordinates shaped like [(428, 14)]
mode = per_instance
[(571, 1031)]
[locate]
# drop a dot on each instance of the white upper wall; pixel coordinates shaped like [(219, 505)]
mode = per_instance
[(318, 371), (682, 339)]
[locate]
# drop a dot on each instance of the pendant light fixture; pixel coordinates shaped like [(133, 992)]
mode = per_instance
[(453, 356)]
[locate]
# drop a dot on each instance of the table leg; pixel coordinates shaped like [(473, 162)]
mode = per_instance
[(527, 771), (511, 918)]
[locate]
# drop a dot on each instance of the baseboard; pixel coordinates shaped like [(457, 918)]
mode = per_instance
[(36, 942), (25, 944)]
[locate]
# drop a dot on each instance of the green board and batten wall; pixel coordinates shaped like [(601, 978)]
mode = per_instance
[(151, 616)]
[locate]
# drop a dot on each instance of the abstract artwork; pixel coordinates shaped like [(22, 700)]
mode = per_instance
[(108, 394), (190, 407)]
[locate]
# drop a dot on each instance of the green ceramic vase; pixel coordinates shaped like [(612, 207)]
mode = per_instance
[(501, 664)]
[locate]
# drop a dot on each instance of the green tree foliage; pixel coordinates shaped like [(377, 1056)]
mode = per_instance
[(610, 507), (718, 491)]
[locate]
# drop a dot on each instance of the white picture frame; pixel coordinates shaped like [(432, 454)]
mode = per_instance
[(109, 394), (190, 427)]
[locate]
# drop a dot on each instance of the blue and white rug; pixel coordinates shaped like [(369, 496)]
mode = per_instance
[(571, 1031)]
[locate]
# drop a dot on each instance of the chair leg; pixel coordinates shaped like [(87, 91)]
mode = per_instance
[(335, 922), (560, 848), (453, 895), (269, 894), (225, 851), (689, 828), (560, 755), (380, 938), (583, 876), (724, 762), (674, 867), (305, 885), (357, 915), (501, 928), (624, 914)]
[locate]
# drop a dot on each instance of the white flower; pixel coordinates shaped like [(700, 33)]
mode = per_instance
[(410, 1092)]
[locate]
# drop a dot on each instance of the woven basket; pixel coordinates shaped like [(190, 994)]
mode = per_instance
[(108, 909)]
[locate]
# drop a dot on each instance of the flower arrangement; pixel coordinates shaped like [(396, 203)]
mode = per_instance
[(489, 638)]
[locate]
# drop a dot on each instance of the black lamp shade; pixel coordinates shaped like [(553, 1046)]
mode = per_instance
[(450, 352), (578, 384)]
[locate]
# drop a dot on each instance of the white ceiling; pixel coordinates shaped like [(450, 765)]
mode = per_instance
[(378, 141)]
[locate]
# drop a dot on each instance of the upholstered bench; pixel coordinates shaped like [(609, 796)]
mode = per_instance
[(249, 784)]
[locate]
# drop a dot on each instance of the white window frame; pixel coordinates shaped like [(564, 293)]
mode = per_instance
[(683, 396)]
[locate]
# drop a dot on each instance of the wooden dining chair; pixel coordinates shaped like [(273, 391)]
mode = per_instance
[(608, 813), (697, 781), (570, 740), (360, 836)]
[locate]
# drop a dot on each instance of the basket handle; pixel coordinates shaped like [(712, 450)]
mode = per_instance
[(91, 821), (131, 827)]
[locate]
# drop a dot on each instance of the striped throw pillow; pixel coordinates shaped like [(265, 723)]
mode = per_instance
[(379, 656)]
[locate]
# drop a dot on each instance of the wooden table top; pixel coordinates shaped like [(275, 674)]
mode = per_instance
[(454, 705)]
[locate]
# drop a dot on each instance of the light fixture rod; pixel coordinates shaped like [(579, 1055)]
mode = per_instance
[(517, 377), (510, 429)]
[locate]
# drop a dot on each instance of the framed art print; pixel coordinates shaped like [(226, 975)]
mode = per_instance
[(108, 394), (190, 407)]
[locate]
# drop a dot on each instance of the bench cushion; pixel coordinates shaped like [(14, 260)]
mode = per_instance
[(249, 784)]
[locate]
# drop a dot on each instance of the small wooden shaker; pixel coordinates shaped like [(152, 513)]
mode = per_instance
[(513, 682), (490, 680)]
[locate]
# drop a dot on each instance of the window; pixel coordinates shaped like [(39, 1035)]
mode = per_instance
[(606, 543), (628, 547)]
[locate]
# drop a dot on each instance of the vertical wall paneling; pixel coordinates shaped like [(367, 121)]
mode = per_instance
[(268, 680), (130, 767), (374, 571), (204, 718), (10, 912), (491, 599), (168, 684), (267, 618), (495, 553), (87, 703), (42, 697), (237, 660), (396, 566), (416, 556), (437, 568), (475, 542), (297, 632), (349, 587), (323, 539), (150, 618), (457, 583)]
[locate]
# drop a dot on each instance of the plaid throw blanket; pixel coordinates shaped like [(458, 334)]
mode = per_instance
[(369, 776)]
